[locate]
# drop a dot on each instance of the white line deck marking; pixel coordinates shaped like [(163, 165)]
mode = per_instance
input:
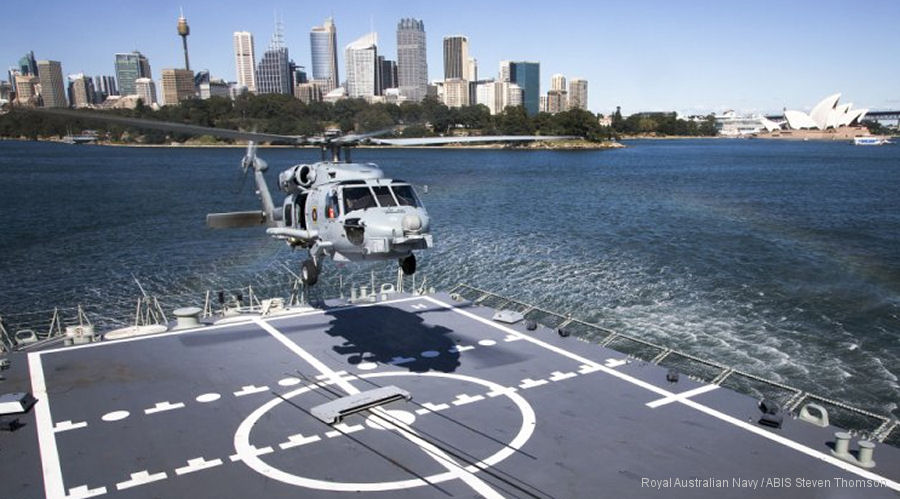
[(141, 478), (463, 399), (559, 376), (254, 451), (531, 383), (208, 397), (497, 393), (82, 492), (163, 406), (68, 425), (435, 407), (591, 366), (681, 396), (298, 440), (250, 390), (115, 416), (487, 343), (53, 480), (419, 306), (613, 363), (511, 337), (438, 455), (197, 465)]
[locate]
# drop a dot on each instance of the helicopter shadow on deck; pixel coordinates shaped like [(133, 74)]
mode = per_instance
[(382, 334)]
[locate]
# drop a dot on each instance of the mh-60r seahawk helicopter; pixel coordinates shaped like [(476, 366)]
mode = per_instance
[(332, 208)]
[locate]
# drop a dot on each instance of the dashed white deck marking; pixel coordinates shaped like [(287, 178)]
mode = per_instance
[(397, 361), (435, 407), (250, 390), (83, 491), (68, 425), (505, 391), (141, 478), (115, 416), (559, 376), (290, 381), (589, 366), (511, 337), (419, 306), (614, 363), (197, 464), (298, 440), (430, 354), (343, 428), (681, 396), (487, 343), (253, 451), (531, 383), (334, 376), (163, 407), (208, 397), (366, 366), (463, 399), (460, 348)]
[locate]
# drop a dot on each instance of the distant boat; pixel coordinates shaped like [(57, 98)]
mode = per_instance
[(84, 138), (870, 141)]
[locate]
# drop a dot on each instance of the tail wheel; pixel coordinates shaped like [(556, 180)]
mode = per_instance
[(408, 264), (309, 273)]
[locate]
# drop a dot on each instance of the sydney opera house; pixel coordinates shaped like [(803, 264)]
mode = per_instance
[(827, 114)]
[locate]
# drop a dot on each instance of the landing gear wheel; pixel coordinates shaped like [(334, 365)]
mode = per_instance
[(309, 274), (408, 265)]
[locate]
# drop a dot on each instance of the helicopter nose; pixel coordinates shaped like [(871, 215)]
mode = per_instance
[(412, 223)]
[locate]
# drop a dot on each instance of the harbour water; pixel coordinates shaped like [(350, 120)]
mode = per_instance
[(779, 258)]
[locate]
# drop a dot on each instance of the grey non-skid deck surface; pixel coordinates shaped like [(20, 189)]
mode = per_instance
[(223, 412)]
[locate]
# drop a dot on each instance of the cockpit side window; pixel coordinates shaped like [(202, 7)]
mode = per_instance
[(358, 198), (331, 206), (383, 194), (406, 196)]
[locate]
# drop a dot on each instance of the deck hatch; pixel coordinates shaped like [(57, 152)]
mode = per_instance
[(335, 411)]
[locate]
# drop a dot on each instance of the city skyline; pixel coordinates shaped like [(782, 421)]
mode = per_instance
[(694, 58)]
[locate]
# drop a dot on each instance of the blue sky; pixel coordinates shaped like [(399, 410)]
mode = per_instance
[(690, 56)]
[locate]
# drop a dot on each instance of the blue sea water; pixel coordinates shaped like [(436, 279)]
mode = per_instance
[(779, 258)]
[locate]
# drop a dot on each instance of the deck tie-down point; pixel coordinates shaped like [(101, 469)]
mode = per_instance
[(335, 411)]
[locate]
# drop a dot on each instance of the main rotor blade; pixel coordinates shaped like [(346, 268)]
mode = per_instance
[(169, 126), (353, 138), (430, 141)]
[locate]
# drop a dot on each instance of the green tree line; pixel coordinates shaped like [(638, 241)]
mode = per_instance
[(283, 114)]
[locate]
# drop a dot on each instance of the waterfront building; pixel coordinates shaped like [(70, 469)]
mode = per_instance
[(557, 101), (53, 90), (309, 92), (26, 91), (558, 82), (578, 93), (177, 85), (6, 90), (516, 95), (129, 67), (273, 74), (28, 65), (245, 59), (542, 107), (456, 57), (527, 75), (212, 88), (494, 94), (145, 89), (387, 71), (729, 124), (236, 90), (81, 91), (323, 45), (456, 92), (362, 68), (827, 114), (504, 71), (412, 65)]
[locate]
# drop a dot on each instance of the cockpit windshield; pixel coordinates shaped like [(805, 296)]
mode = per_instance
[(406, 196), (384, 195), (358, 198)]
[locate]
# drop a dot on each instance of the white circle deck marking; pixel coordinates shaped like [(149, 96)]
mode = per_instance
[(208, 397), (115, 416), (382, 423), (367, 366), (487, 343), (429, 354), (289, 381), (245, 450)]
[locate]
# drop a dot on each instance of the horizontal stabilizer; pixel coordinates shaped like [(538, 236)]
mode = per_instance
[(235, 219)]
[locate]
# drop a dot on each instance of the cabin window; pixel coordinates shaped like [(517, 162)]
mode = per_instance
[(289, 215), (383, 194), (331, 206), (406, 196), (358, 198)]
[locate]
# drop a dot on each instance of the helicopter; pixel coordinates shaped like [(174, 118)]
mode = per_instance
[(333, 208)]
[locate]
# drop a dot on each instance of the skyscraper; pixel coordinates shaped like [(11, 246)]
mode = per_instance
[(130, 67), (146, 89), (456, 57), (362, 66), (323, 45), (578, 93), (273, 74), (245, 59), (105, 86), (81, 90), (527, 75), (558, 82), (25, 89), (387, 72), (27, 64), (177, 85), (504, 71), (183, 31), (412, 65), (53, 90)]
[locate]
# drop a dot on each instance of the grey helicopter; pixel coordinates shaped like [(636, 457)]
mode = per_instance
[(333, 208)]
